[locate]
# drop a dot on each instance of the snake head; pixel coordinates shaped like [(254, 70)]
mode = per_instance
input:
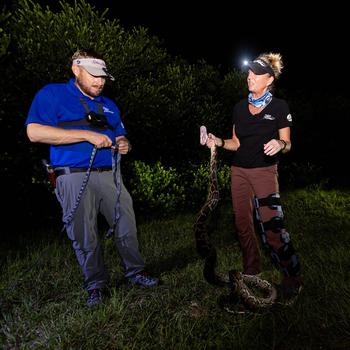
[(203, 135)]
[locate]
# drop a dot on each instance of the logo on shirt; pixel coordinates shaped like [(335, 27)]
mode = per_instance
[(289, 117), (107, 110), (268, 117)]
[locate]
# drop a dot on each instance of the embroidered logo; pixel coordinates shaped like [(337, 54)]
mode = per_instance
[(289, 117), (107, 110), (268, 117), (261, 62)]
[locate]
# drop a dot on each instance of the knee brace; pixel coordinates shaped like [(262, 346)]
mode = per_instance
[(272, 201), (285, 257), (275, 224)]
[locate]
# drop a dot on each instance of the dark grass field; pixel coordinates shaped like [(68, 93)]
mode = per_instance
[(43, 304)]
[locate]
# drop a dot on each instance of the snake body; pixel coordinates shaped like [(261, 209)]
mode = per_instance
[(242, 286)]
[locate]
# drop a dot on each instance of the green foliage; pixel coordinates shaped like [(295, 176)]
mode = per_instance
[(163, 100), (167, 108), (234, 88), (156, 189), (198, 182), (4, 36), (45, 40), (294, 175)]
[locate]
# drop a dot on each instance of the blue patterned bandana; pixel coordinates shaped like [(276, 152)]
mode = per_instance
[(262, 101)]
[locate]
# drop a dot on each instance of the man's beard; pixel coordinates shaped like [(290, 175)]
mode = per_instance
[(93, 90)]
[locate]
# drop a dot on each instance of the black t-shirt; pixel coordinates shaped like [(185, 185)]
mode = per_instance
[(253, 131)]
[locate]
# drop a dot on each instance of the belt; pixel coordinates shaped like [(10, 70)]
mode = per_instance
[(68, 170)]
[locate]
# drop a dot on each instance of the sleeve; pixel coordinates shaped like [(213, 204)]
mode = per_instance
[(43, 108), (117, 122), (285, 118)]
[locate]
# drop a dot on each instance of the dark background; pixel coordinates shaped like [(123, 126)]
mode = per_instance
[(312, 42), (312, 39)]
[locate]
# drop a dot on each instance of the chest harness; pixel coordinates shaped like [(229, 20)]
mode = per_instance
[(96, 121)]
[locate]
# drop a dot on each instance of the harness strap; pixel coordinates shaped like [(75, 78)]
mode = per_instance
[(83, 121), (275, 224), (84, 104), (78, 122), (273, 200), (87, 109)]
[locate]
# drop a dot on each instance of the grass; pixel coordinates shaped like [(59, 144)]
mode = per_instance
[(42, 302)]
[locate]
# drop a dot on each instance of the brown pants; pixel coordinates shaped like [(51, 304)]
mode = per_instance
[(261, 183)]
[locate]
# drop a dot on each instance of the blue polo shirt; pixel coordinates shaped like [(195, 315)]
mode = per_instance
[(56, 103)]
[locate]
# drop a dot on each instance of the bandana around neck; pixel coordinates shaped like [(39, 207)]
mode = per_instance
[(261, 101)]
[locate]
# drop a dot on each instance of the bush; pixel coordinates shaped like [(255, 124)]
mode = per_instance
[(156, 189), (161, 191), (198, 182)]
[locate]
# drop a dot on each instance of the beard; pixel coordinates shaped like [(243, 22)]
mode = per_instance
[(93, 90)]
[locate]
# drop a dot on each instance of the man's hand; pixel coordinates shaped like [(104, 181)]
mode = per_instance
[(99, 140), (123, 144)]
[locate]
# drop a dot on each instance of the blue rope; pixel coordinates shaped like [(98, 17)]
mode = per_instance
[(68, 220), (116, 158)]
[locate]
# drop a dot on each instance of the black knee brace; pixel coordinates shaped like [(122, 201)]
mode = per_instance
[(275, 224), (285, 257)]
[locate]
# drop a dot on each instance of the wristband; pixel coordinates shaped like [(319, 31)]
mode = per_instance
[(284, 145)]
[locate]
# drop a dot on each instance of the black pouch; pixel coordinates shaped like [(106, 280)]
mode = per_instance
[(97, 120)]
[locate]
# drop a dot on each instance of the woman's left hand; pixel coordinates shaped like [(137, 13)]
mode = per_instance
[(272, 147)]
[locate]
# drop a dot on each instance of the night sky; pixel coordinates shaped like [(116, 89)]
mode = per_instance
[(312, 39), (312, 42)]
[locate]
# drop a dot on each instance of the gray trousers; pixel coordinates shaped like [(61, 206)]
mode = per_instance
[(99, 196)]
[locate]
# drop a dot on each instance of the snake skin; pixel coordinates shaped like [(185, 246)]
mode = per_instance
[(241, 285)]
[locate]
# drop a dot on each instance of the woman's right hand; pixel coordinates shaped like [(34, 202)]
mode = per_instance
[(211, 142)]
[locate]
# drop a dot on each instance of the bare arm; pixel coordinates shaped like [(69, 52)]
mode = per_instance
[(57, 136), (229, 144), (283, 144)]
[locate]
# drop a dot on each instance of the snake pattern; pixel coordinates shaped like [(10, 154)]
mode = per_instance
[(242, 286)]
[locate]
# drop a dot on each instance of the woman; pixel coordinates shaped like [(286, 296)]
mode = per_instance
[(261, 132)]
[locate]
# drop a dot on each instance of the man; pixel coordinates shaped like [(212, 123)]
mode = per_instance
[(84, 127)]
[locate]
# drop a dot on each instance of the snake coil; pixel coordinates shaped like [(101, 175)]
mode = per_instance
[(241, 285)]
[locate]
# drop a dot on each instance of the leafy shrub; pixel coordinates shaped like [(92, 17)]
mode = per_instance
[(156, 189), (297, 174), (198, 181)]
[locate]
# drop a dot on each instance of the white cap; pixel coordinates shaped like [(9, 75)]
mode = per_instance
[(94, 66)]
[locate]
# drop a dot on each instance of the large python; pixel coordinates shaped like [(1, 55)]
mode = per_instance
[(241, 285)]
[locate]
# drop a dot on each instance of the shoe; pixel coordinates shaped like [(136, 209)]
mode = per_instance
[(94, 298), (143, 279)]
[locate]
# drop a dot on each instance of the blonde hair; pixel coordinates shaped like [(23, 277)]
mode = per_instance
[(275, 62), (85, 53)]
